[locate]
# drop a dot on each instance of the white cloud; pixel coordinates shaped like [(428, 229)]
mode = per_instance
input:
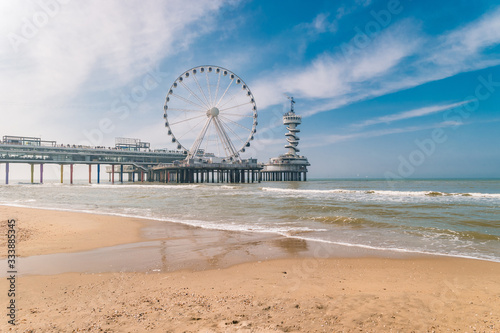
[(462, 46), (84, 48), (420, 112), (333, 76), (321, 23)]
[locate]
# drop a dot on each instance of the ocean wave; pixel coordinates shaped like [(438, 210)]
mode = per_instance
[(383, 193), (285, 190), (229, 187), (212, 225), (351, 222)]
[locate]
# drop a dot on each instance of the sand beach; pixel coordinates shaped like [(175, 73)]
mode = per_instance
[(234, 292)]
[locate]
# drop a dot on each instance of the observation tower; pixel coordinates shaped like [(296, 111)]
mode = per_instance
[(289, 166)]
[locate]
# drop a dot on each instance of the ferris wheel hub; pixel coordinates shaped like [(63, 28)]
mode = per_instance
[(213, 112)]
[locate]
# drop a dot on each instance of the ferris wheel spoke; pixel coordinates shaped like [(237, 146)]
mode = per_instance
[(231, 130), (186, 110), (238, 115), (188, 101), (228, 101), (209, 88), (188, 119), (224, 94), (238, 124), (217, 89), (191, 128), (192, 93), (236, 106), (201, 90)]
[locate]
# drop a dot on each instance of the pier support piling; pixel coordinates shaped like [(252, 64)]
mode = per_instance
[(41, 173), (7, 173), (98, 173), (90, 173), (62, 173), (71, 174)]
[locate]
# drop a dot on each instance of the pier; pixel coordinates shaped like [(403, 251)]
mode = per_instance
[(133, 159), (246, 171), (223, 128)]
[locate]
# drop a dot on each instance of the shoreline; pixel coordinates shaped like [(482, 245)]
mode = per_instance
[(194, 279), (54, 242), (344, 249)]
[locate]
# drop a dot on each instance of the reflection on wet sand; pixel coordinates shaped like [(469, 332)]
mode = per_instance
[(292, 245), (171, 246)]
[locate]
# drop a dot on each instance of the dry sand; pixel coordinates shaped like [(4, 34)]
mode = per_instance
[(42, 231), (294, 294)]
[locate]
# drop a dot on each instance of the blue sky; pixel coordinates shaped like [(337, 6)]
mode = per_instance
[(394, 89)]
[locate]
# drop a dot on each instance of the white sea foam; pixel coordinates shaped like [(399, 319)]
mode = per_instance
[(398, 249), (295, 191), (383, 193)]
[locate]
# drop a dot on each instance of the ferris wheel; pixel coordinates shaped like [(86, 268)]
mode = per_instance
[(210, 110)]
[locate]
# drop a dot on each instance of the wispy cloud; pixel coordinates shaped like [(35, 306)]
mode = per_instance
[(334, 138), (420, 112)]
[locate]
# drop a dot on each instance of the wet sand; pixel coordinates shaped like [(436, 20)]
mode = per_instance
[(158, 277)]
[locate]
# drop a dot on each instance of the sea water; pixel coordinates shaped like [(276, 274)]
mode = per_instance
[(444, 217)]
